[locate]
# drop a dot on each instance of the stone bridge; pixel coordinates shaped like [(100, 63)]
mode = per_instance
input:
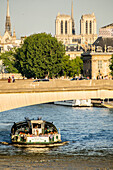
[(26, 92)]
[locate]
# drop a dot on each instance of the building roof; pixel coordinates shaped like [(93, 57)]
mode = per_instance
[(73, 47), (88, 15), (108, 26), (63, 15), (101, 41)]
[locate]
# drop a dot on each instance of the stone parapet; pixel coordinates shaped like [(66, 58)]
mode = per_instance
[(21, 86)]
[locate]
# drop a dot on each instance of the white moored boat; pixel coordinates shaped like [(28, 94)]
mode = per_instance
[(75, 103)]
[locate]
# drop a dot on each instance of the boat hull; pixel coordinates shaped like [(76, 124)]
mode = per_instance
[(36, 145)]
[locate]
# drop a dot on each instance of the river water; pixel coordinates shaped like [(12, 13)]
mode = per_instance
[(88, 130)]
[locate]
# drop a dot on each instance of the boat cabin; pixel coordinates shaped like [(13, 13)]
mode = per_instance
[(37, 127), (34, 127)]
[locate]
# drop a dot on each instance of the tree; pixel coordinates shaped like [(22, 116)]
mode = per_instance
[(77, 64), (74, 67), (65, 66), (40, 55), (111, 65), (9, 61)]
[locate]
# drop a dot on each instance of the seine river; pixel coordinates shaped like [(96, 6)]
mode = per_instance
[(88, 130)]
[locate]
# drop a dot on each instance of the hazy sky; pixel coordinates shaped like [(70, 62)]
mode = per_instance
[(34, 16)]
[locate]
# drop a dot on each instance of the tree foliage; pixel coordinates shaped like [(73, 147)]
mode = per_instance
[(40, 55), (76, 66), (9, 61), (72, 67)]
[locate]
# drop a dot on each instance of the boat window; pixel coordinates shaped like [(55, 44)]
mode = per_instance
[(39, 125), (35, 125)]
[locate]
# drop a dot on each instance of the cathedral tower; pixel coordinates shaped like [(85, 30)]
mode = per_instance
[(88, 28), (8, 22), (65, 27)]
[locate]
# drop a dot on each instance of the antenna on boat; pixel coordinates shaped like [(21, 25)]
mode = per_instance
[(26, 118), (39, 118)]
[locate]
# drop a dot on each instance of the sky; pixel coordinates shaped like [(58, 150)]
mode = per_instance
[(36, 16)]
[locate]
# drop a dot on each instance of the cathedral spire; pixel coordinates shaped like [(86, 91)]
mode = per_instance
[(73, 24), (8, 23), (72, 10), (7, 8)]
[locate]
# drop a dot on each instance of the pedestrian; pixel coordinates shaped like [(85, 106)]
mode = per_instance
[(9, 80), (13, 80)]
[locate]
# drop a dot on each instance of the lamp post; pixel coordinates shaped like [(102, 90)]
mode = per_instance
[(99, 74)]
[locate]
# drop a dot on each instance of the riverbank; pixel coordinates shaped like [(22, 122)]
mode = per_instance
[(49, 162)]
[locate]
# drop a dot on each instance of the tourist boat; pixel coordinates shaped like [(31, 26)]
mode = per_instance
[(75, 103), (35, 133)]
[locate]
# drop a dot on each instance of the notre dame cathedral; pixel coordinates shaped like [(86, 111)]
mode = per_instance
[(65, 29)]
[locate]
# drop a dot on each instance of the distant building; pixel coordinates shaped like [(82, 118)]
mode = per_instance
[(96, 60), (88, 29), (66, 33), (106, 31), (73, 50), (8, 40), (65, 28)]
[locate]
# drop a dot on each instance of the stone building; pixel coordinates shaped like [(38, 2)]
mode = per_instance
[(73, 50), (96, 59), (8, 40), (88, 28), (65, 32), (65, 28), (106, 31)]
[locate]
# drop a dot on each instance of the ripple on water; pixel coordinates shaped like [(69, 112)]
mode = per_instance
[(88, 130)]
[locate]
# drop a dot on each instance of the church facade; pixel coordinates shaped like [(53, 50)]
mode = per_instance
[(88, 29), (65, 29), (8, 40), (66, 33)]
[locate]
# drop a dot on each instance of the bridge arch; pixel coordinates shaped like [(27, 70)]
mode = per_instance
[(15, 100)]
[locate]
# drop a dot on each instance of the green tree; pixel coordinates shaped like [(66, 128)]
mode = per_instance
[(111, 65), (9, 61), (79, 65), (40, 55), (65, 66), (75, 67)]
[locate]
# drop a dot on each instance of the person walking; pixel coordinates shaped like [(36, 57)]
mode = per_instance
[(9, 80)]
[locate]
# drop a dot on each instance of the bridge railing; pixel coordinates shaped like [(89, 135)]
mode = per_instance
[(53, 85)]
